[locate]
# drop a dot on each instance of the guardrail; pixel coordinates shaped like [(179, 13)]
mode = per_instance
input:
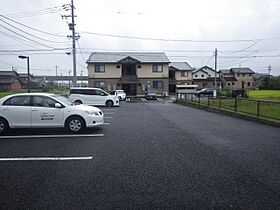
[(259, 108)]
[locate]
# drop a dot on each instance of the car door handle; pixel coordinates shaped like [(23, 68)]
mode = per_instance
[(35, 110)]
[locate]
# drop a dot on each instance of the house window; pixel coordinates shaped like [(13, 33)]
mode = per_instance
[(238, 74), (157, 68), (195, 75), (209, 75), (232, 83), (99, 84), (248, 84), (243, 75), (99, 68), (228, 83), (157, 84), (139, 66), (184, 73), (202, 75), (118, 66)]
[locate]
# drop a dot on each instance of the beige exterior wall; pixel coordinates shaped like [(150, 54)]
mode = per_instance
[(246, 79), (148, 83), (178, 76), (111, 71), (232, 84), (146, 71)]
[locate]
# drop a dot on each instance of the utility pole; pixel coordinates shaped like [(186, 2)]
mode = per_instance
[(61, 80), (81, 77), (74, 37), (216, 56), (69, 72), (56, 74), (74, 45), (269, 70)]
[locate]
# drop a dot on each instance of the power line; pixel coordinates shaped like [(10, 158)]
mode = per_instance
[(34, 12), (44, 32), (25, 36), (23, 41), (36, 50), (169, 40), (81, 51), (47, 40)]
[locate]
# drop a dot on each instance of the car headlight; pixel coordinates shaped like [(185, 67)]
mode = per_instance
[(92, 113)]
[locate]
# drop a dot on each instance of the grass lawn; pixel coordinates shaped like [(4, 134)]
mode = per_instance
[(266, 109), (264, 94)]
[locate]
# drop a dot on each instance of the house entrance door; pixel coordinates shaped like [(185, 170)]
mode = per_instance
[(129, 89)]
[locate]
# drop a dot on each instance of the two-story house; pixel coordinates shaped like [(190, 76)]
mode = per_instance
[(180, 73), (10, 80), (133, 72), (237, 78), (204, 77)]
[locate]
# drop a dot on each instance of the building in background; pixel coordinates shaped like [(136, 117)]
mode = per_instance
[(204, 77), (130, 71), (237, 78), (180, 73), (9, 81)]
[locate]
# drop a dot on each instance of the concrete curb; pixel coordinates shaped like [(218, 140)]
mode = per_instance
[(229, 113)]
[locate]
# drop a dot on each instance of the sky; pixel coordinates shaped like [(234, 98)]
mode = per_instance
[(246, 33)]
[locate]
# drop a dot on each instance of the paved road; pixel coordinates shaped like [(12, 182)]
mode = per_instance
[(152, 156)]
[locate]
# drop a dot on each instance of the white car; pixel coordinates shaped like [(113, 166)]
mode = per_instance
[(121, 94), (92, 96), (42, 110)]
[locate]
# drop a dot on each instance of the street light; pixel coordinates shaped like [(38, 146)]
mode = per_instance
[(28, 71)]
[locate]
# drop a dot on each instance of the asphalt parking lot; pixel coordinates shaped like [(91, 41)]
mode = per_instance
[(147, 155)]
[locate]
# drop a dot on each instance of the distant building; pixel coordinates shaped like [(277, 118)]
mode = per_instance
[(9, 81), (180, 73), (204, 77), (237, 78), (133, 72)]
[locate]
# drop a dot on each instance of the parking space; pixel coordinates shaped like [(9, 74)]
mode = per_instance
[(145, 148), (54, 144)]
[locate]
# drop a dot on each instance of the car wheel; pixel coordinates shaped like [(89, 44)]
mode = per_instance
[(109, 103), (3, 126), (78, 102), (75, 124)]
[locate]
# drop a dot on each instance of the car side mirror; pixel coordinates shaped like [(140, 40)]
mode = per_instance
[(57, 105)]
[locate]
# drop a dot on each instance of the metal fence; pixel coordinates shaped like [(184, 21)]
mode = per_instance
[(259, 108)]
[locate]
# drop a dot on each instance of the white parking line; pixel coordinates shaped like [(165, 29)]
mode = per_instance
[(51, 136), (45, 158), (159, 99), (109, 117), (106, 123)]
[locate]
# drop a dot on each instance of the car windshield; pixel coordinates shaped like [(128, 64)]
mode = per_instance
[(63, 99)]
